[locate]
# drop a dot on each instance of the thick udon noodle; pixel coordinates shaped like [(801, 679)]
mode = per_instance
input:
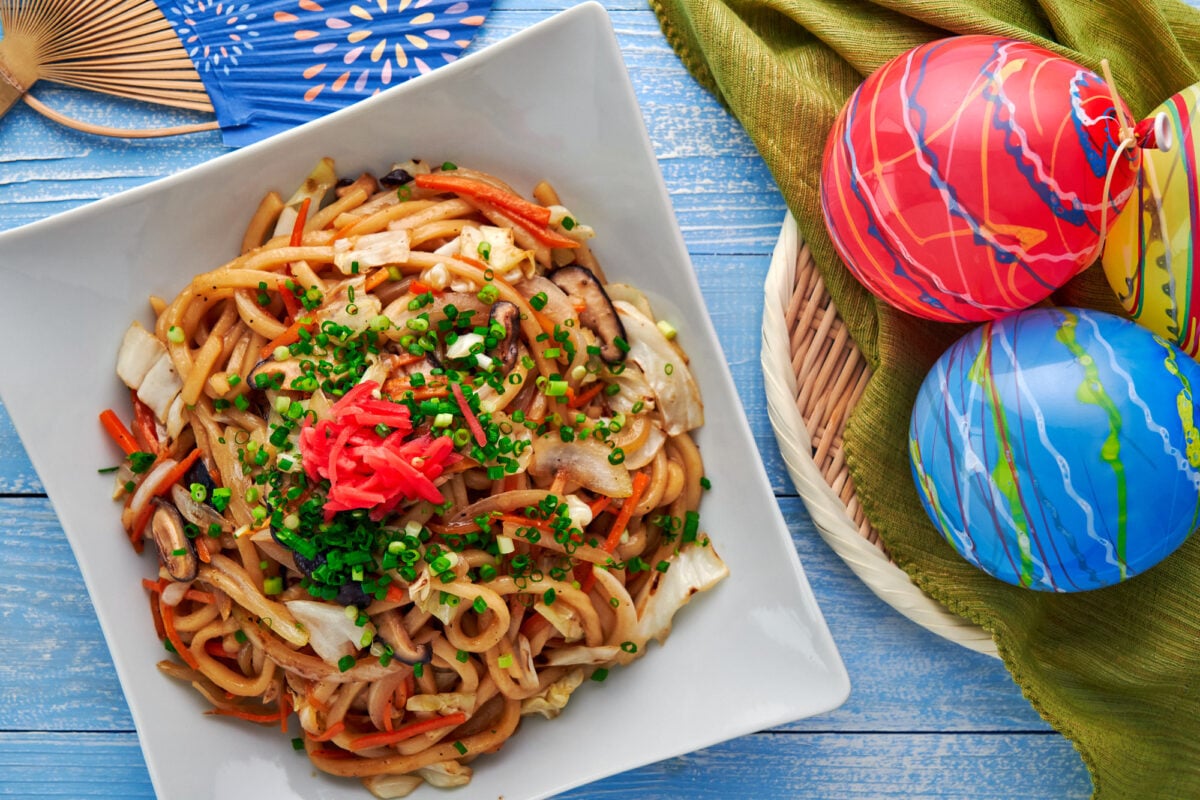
[(569, 485)]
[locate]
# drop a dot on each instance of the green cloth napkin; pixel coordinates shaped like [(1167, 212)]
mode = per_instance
[(1116, 670)]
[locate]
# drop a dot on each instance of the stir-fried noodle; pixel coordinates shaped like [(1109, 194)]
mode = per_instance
[(413, 469)]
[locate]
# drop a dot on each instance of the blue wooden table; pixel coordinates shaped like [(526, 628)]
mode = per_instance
[(925, 719)]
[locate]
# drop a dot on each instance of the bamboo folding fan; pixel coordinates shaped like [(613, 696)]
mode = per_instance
[(259, 67)]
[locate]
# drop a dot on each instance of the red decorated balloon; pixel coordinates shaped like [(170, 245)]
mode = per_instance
[(965, 178)]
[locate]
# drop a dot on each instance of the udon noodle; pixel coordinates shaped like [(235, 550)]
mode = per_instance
[(413, 469)]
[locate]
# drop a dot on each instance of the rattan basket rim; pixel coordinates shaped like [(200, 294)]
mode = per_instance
[(814, 374)]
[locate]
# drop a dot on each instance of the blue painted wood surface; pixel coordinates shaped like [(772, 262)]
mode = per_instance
[(926, 718)]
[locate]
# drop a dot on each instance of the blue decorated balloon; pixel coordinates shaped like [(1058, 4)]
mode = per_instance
[(1058, 449)]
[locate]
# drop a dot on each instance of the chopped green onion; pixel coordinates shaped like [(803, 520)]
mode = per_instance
[(538, 301), (139, 462), (555, 388), (600, 674), (667, 329), (505, 661), (488, 294), (629, 647), (345, 663), (273, 585), (175, 334)]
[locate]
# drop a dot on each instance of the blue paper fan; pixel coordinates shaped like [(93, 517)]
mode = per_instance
[(268, 66)]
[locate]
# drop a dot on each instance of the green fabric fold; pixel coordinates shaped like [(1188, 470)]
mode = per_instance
[(1115, 670)]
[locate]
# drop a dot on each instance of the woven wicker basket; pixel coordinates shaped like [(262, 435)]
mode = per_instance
[(814, 375)]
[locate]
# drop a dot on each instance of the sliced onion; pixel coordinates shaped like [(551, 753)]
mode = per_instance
[(148, 489), (173, 592), (645, 453)]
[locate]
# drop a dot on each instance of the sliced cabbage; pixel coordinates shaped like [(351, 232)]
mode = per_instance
[(696, 568), (564, 619), (446, 774), (372, 250), (140, 351), (553, 699), (443, 703), (668, 375), (391, 787), (502, 254), (160, 387), (428, 598), (564, 656), (332, 634)]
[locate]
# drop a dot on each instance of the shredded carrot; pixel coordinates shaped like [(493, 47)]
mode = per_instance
[(598, 505), (548, 325), (376, 279), (178, 471), (544, 234), (532, 625), (250, 716), (520, 519), (334, 754), (388, 711), (202, 551), (474, 262), (301, 221), (144, 424), (289, 336), (478, 190), (289, 298), (216, 649), (469, 415), (200, 596), (343, 231), (330, 732), (585, 397), (117, 430), (384, 738), (421, 287), (396, 593), (640, 481), (156, 614), (168, 618)]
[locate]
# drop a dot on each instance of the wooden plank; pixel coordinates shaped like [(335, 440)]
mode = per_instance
[(765, 767), (723, 196), (903, 677)]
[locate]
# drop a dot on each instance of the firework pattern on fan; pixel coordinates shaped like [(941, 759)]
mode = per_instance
[(268, 66)]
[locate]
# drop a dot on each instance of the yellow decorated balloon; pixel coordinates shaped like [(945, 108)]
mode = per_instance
[(1151, 254)]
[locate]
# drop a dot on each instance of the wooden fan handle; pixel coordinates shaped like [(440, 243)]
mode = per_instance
[(104, 130)]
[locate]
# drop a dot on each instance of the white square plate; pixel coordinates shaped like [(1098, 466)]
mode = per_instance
[(552, 102)]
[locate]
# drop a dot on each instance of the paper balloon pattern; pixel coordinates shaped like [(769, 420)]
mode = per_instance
[(965, 178), (1150, 256), (1058, 449)]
